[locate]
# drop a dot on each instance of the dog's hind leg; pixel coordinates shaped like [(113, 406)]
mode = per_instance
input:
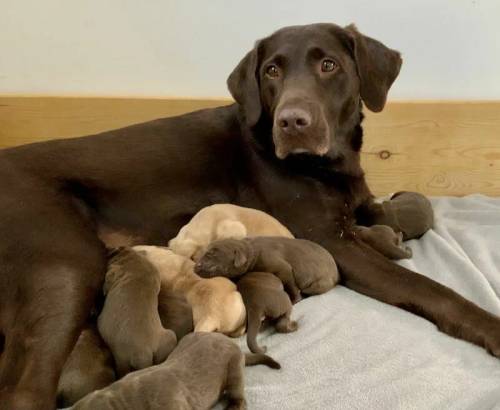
[(168, 341), (235, 387), (254, 317), (285, 325), (46, 300)]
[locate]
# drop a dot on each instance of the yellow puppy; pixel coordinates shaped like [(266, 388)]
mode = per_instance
[(223, 221), (216, 303)]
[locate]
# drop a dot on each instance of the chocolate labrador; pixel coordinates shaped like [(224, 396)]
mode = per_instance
[(289, 146)]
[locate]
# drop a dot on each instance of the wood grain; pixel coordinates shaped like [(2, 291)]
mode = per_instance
[(438, 148)]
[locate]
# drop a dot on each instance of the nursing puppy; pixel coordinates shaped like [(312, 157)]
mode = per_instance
[(217, 305), (265, 298), (222, 221), (129, 322), (197, 372), (385, 240), (175, 313), (300, 264), (410, 213), (88, 368)]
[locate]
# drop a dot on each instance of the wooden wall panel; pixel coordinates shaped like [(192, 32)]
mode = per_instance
[(438, 148)]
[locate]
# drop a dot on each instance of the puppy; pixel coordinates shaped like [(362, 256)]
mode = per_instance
[(410, 213), (175, 313), (385, 240), (89, 367), (221, 221), (265, 297), (216, 303), (129, 322), (300, 264), (197, 372)]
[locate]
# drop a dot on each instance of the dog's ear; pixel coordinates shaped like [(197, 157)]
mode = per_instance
[(240, 259), (378, 66), (244, 87)]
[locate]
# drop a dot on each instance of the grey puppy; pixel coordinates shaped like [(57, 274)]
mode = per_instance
[(300, 264), (201, 367), (385, 240), (88, 368), (175, 313), (265, 298), (129, 322)]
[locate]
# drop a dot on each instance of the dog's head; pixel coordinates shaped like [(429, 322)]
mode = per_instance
[(307, 81), (226, 257)]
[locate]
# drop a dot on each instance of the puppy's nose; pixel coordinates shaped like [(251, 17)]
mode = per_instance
[(293, 120)]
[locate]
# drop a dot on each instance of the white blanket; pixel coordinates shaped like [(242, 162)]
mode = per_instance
[(353, 352)]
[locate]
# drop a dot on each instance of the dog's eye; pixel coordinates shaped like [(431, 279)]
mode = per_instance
[(328, 65), (272, 71)]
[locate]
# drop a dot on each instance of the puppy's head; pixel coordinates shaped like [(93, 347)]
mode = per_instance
[(227, 257)]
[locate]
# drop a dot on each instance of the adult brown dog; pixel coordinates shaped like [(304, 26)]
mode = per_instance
[(290, 146)]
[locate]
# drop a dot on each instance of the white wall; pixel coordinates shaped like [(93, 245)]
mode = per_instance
[(451, 48)]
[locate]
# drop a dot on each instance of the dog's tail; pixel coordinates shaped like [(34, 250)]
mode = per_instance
[(253, 359)]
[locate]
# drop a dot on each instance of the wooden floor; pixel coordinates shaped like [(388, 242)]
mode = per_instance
[(438, 148)]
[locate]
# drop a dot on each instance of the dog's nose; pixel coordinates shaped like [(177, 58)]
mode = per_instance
[(292, 120)]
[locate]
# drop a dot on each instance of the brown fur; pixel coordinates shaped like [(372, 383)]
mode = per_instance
[(129, 322), (142, 183), (385, 240), (175, 312), (300, 264), (410, 213), (89, 367), (197, 372), (265, 298)]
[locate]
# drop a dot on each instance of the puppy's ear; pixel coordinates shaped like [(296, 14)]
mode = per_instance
[(240, 259), (244, 87), (378, 66)]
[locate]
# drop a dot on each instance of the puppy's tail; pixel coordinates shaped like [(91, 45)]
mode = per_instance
[(253, 359)]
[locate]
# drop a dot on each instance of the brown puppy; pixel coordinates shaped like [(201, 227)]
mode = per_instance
[(194, 376), (129, 322), (265, 297), (88, 368), (410, 213), (175, 313), (385, 240), (300, 264)]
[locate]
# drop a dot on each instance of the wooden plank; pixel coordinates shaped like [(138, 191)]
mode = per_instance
[(435, 148), (438, 148)]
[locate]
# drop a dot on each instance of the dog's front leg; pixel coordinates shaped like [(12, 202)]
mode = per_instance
[(47, 305), (368, 272)]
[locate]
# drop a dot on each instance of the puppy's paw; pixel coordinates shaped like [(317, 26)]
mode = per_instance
[(284, 325), (408, 251)]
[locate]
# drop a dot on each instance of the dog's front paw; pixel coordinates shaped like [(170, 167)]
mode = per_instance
[(492, 345), (491, 338)]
